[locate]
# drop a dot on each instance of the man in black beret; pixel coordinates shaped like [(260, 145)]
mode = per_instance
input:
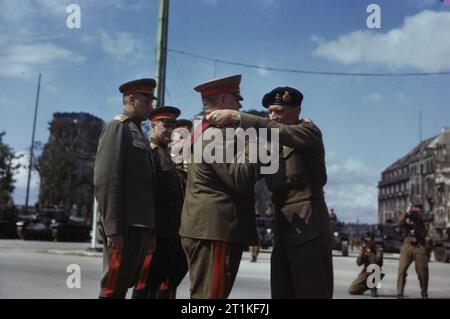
[(301, 263), (124, 188)]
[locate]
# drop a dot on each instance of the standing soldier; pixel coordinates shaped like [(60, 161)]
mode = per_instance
[(301, 261), (124, 188), (166, 267), (413, 249), (370, 254), (218, 219)]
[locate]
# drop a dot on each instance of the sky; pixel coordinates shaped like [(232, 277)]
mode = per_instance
[(367, 122)]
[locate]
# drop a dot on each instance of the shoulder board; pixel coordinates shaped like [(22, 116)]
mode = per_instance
[(120, 118)]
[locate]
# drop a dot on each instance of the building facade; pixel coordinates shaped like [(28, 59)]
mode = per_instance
[(421, 176)]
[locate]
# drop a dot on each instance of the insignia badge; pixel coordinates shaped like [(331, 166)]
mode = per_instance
[(277, 97), (121, 117), (287, 97)]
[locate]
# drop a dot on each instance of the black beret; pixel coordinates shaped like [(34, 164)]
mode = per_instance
[(283, 96)]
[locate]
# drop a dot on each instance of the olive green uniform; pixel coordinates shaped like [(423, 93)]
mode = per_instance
[(167, 265), (301, 261), (414, 249), (365, 258), (124, 186), (218, 221)]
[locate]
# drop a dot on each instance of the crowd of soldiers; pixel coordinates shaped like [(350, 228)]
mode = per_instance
[(162, 220)]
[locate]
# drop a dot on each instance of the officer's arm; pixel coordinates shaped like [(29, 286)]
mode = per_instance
[(240, 177), (361, 258), (301, 136), (108, 177)]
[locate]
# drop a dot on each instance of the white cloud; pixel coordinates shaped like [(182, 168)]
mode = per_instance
[(422, 43), (373, 97), (351, 190), (21, 59), (119, 44), (21, 178)]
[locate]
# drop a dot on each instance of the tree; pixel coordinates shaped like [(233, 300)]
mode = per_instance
[(7, 169), (66, 165)]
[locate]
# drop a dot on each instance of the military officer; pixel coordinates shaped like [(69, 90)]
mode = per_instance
[(369, 254), (218, 218), (166, 266), (124, 188), (301, 261), (413, 249)]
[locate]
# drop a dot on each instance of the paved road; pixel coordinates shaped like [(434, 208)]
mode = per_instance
[(30, 269)]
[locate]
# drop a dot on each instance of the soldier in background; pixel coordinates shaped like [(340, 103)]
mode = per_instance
[(413, 249), (124, 188), (166, 267), (369, 254)]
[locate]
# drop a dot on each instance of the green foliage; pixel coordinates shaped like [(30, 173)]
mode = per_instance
[(67, 162), (7, 169)]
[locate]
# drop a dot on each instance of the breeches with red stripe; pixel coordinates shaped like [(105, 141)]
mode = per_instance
[(121, 268), (213, 266)]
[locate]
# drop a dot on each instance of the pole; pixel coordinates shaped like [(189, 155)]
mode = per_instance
[(32, 142), (94, 226), (161, 50)]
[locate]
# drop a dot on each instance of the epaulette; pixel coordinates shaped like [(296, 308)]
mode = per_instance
[(120, 118), (309, 123)]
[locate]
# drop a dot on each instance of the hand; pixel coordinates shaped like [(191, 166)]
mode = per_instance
[(115, 242), (222, 118)]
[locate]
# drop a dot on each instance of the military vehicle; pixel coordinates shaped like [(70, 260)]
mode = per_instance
[(340, 237), (56, 224), (8, 219)]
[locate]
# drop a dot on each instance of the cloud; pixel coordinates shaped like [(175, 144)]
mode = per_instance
[(351, 190), (373, 97), (120, 45), (21, 59), (21, 178), (420, 43)]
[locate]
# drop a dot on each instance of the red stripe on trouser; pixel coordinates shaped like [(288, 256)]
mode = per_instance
[(142, 282), (219, 271), (109, 289), (164, 285)]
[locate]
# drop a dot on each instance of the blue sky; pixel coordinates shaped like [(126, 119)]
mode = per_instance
[(367, 122)]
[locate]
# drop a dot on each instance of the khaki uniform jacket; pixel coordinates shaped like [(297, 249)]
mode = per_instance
[(300, 177), (124, 177), (219, 202)]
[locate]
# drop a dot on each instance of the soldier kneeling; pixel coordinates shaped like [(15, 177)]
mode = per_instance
[(370, 254)]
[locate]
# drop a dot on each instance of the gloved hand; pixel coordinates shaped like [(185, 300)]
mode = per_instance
[(223, 118)]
